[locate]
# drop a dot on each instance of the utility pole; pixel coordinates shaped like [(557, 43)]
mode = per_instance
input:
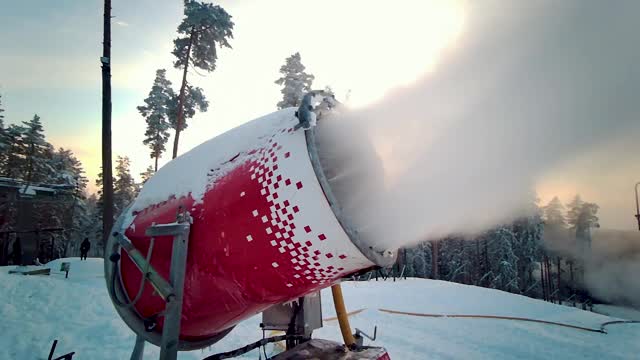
[(637, 205), (107, 178)]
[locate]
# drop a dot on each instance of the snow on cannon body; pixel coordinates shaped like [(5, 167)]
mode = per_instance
[(246, 221)]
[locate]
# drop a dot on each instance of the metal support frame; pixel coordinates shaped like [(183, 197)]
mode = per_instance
[(116, 245), (170, 291), (298, 318), (138, 348)]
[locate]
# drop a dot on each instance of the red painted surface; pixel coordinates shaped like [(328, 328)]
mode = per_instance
[(244, 252)]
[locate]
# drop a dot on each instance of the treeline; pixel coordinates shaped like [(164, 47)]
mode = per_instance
[(27, 162), (540, 256), (504, 257), (30, 161)]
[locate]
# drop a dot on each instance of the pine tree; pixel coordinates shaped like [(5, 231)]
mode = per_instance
[(554, 213), (586, 220), (194, 100), (295, 81), (1, 115), (147, 174), (4, 143), (204, 27), (14, 162), (156, 111), (573, 212), (124, 187), (38, 152), (67, 169)]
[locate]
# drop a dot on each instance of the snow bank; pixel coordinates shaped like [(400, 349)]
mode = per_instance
[(77, 311)]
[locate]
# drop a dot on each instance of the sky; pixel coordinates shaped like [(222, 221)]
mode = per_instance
[(49, 65)]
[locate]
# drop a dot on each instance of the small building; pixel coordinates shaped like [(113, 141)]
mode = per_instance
[(34, 214)]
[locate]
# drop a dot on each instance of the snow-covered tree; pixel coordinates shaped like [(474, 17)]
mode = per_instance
[(67, 170), (506, 273), (528, 248), (4, 141), (124, 186), (295, 82), (14, 162), (38, 151), (1, 124), (156, 113), (419, 260), (204, 27), (455, 260)]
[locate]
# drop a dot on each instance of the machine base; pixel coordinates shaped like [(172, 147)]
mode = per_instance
[(330, 350)]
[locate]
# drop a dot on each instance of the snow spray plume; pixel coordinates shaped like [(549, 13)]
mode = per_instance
[(526, 86), (611, 271), (610, 264)]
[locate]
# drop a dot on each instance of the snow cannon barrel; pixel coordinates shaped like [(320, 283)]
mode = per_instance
[(265, 229)]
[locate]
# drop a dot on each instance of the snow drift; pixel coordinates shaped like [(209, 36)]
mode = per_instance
[(35, 310)]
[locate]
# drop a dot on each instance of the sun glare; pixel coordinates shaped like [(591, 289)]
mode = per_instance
[(385, 49)]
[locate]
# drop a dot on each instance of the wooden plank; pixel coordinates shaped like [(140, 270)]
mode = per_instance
[(44, 271)]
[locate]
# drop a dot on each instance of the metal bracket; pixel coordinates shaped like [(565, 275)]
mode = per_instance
[(360, 335), (170, 291), (162, 287)]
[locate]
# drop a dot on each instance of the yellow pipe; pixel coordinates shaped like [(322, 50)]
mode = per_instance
[(343, 317)]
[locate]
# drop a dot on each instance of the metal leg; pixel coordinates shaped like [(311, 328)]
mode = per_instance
[(171, 291), (138, 349), (171, 326)]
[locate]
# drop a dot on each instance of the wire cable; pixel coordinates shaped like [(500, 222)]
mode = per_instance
[(142, 281)]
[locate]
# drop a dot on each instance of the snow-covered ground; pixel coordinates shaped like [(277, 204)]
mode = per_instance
[(35, 310), (617, 311)]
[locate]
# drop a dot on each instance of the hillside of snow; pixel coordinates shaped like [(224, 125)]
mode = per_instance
[(77, 311)]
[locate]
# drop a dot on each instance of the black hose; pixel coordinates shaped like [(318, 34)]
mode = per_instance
[(291, 329), (255, 345), (617, 322)]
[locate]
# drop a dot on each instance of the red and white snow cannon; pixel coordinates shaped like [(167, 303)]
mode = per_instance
[(260, 227)]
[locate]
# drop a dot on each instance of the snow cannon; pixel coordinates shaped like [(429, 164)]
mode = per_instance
[(242, 222)]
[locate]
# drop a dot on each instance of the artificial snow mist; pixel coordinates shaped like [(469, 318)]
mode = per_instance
[(526, 87)]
